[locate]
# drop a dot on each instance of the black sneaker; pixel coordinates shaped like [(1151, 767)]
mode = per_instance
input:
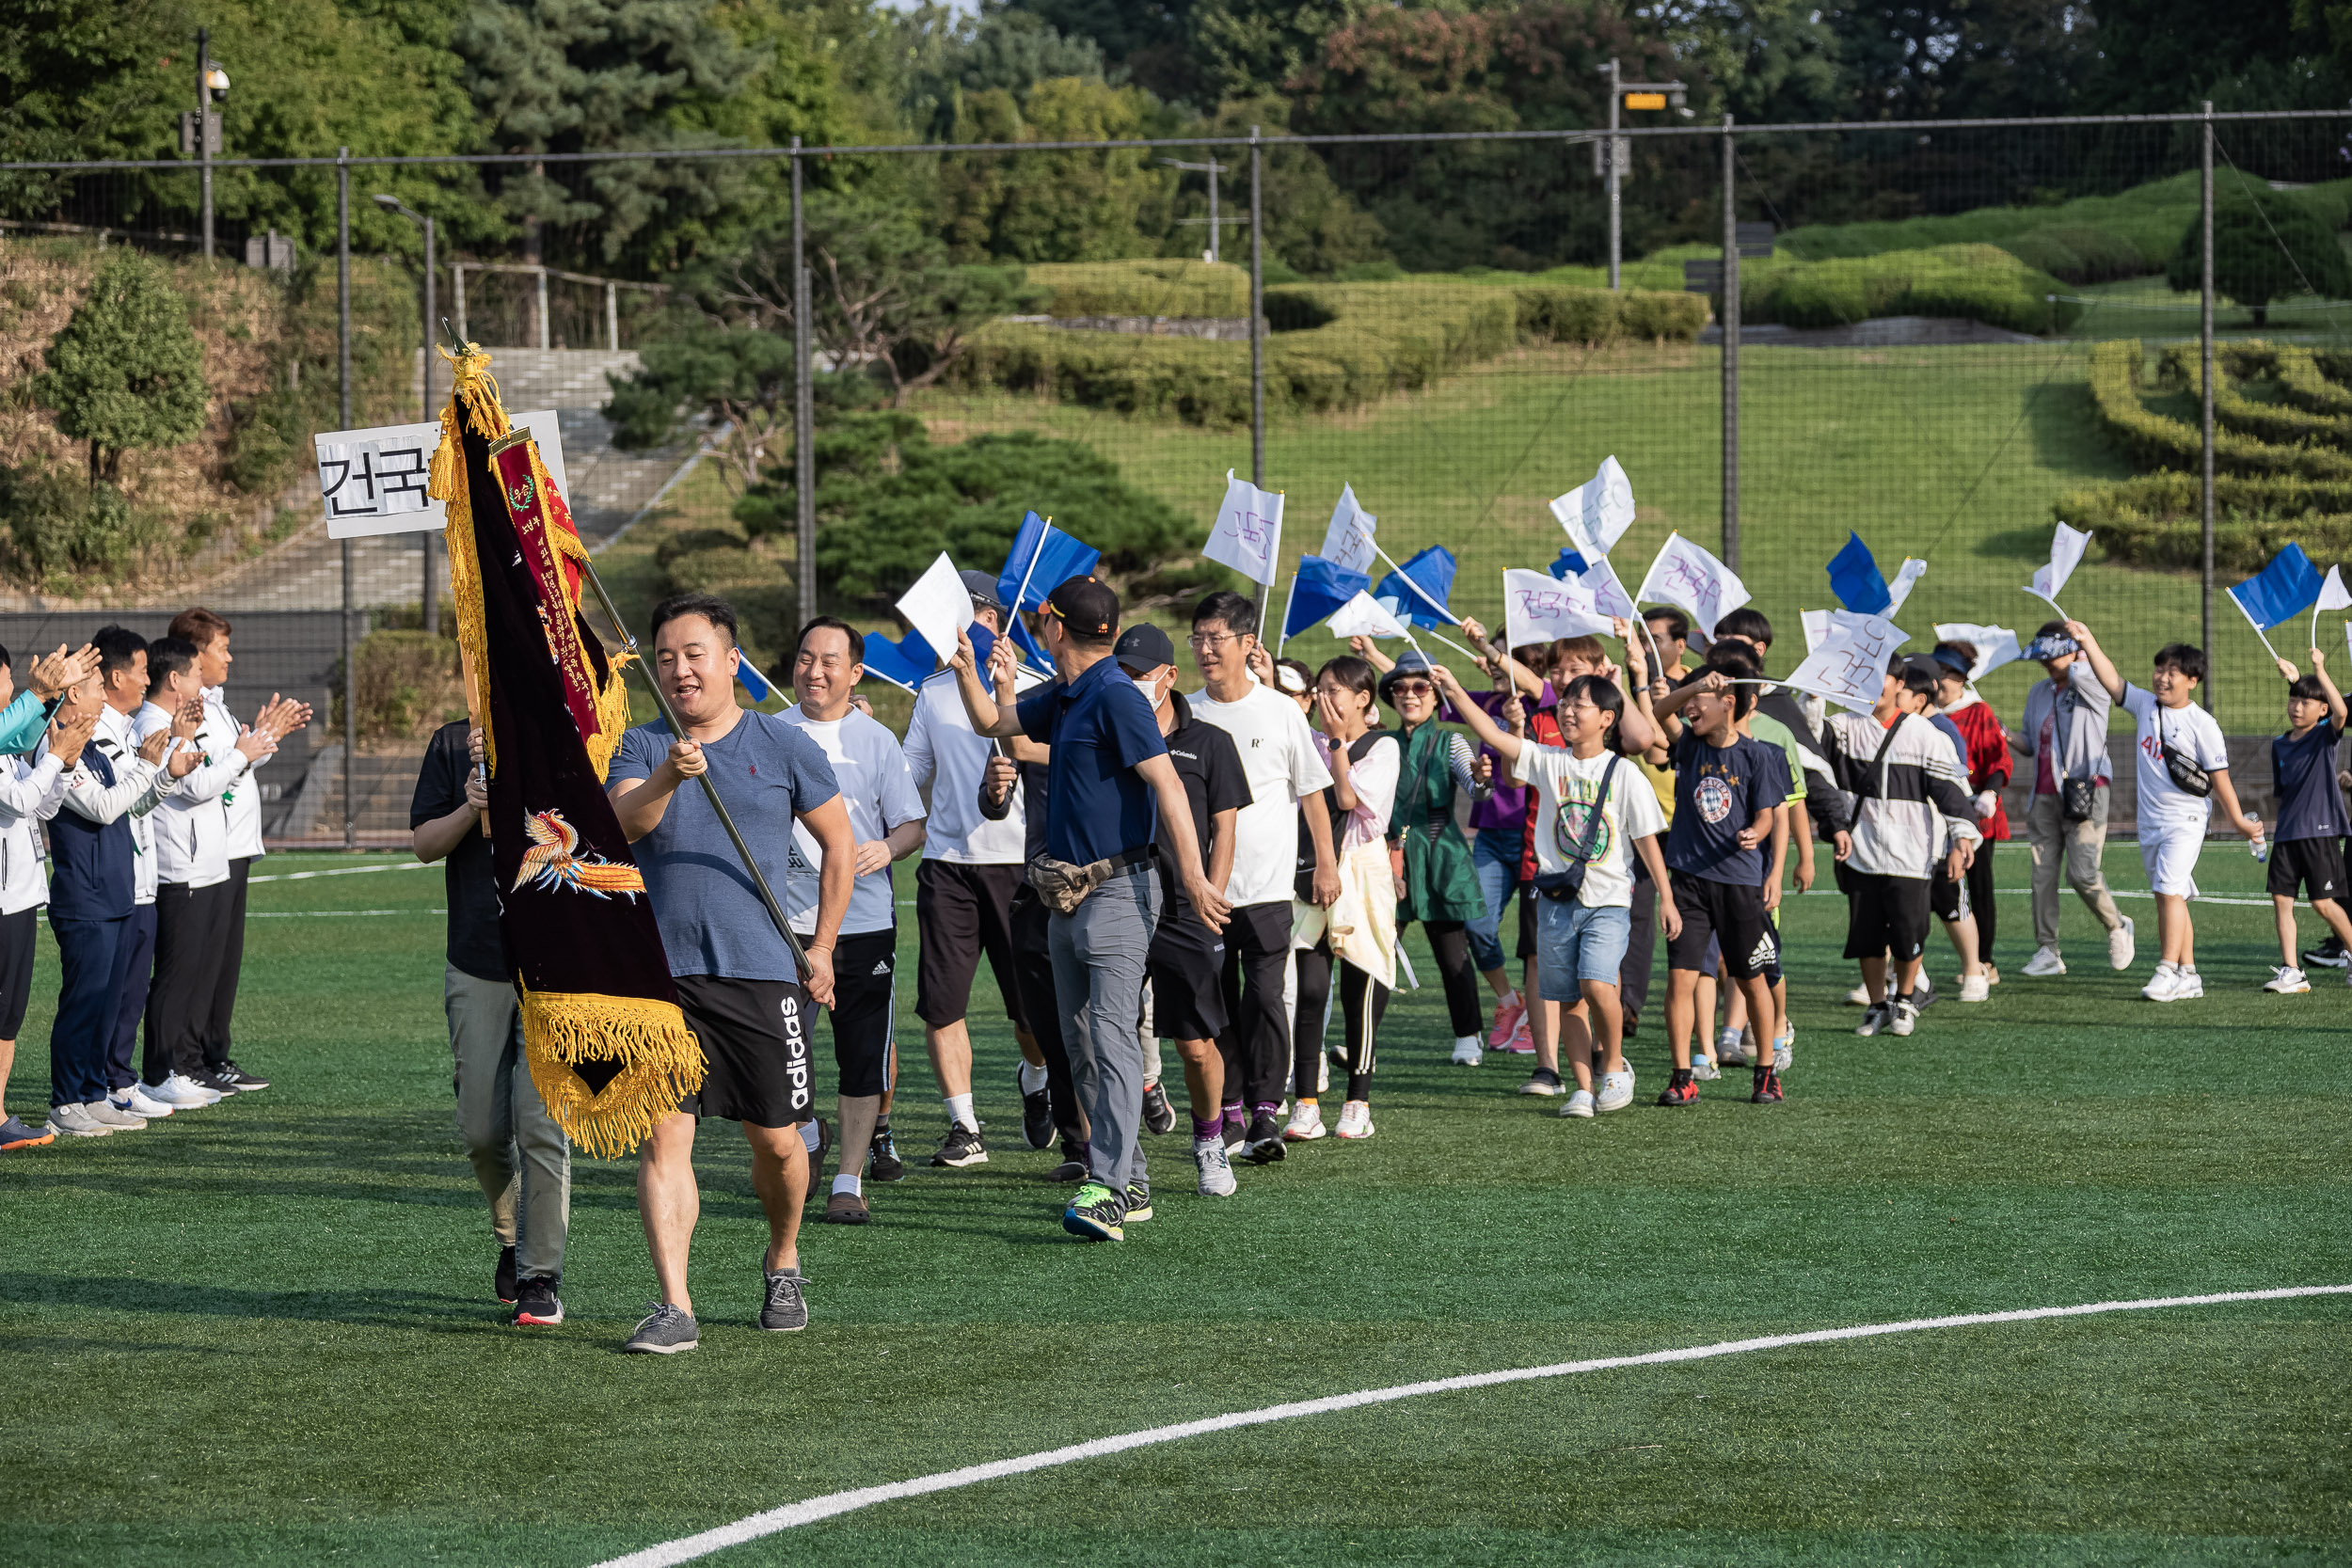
[(1264, 1146), (205, 1078), (1235, 1132), (1681, 1089), (1766, 1090), (503, 1283), (538, 1305), (2327, 955), (1073, 1166), (1923, 994), (664, 1331), (1158, 1115), (786, 1311), (963, 1147), (1096, 1214), (1037, 1114), (229, 1072), (882, 1160), (1138, 1202)]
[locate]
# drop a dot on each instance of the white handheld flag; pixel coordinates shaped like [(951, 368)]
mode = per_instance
[(2066, 553), (1994, 646), (1364, 616), (1849, 666), (938, 606), (2333, 594), (1248, 533), (1686, 576), (1347, 543), (1816, 626), (1609, 594), (1537, 607), (1597, 513), (1905, 579)]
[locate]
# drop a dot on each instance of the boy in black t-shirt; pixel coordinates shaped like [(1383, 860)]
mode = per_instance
[(2307, 851), (520, 1156)]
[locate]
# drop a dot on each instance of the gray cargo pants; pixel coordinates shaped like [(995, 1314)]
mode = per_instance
[(1098, 982)]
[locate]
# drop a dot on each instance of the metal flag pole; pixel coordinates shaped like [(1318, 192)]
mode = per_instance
[(1276, 559), (1416, 587), (1282, 633)]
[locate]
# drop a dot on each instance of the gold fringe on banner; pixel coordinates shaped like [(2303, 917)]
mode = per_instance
[(475, 392), (661, 1064)]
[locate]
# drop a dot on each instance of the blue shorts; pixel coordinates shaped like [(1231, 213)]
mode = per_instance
[(1575, 942)]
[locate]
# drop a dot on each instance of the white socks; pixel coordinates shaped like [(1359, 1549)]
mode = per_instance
[(960, 1107), (850, 1184), (808, 1137), (1032, 1080)]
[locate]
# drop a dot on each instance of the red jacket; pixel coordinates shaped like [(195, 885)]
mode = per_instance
[(1988, 758)]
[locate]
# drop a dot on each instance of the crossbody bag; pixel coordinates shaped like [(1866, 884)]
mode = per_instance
[(1567, 882), (2188, 775)]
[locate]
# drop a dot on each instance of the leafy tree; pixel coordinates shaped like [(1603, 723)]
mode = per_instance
[(1240, 48), (1311, 226), (1052, 206), (1002, 50), (739, 379), (1143, 39), (125, 372), (1929, 59), (2264, 248)]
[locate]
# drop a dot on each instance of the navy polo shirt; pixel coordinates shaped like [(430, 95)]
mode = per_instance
[(1100, 729)]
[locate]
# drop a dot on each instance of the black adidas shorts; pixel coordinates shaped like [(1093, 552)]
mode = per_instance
[(1184, 963), (2313, 865), (1886, 914), (960, 911), (1731, 912), (1947, 896), (864, 1011), (754, 1040)]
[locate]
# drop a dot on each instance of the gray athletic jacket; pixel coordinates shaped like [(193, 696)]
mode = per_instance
[(2081, 733)]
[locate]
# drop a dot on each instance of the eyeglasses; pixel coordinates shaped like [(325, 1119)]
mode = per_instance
[(1413, 689), (1208, 642)]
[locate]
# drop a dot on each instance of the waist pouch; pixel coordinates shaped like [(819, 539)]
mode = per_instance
[(2078, 798), (1064, 886)]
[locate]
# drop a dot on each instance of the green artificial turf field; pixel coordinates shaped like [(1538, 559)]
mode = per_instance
[(263, 1331)]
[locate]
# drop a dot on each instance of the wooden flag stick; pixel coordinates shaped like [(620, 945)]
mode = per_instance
[(473, 716)]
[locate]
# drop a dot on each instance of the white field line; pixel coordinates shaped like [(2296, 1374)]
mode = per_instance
[(329, 914), (758, 1526), (2113, 892), (341, 871)]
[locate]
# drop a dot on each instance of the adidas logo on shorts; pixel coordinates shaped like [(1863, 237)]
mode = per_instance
[(882, 967), (1765, 953)]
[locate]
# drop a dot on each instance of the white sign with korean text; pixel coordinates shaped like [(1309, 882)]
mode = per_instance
[(372, 481)]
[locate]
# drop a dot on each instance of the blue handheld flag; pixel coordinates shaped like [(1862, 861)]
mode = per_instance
[(1854, 577), (1318, 589), (754, 682), (1042, 558), (1420, 586), (2280, 591), (908, 663), (1570, 564)]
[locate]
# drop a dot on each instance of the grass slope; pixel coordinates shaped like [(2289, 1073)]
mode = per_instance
[(261, 1334)]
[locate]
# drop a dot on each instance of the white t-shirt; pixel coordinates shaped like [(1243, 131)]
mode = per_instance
[(1279, 754), (2188, 732), (879, 794), (948, 761), (1564, 787)]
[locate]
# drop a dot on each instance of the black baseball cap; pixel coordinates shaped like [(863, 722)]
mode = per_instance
[(983, 588), (1142, 649), (1086, 607)]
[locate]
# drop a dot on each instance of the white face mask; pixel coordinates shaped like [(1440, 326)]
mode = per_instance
[(1150, 692)]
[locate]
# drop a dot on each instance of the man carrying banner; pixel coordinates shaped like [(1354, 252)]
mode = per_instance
[(1109, 768), (742, 995)]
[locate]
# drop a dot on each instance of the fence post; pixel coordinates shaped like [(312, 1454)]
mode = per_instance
[(2204, 333), (543, 308), (1730, 313), (1614, 174), (432, 604), (611, 317), (204, 130), (343, 364), (457, 282), (804, 414), (1257, 314)]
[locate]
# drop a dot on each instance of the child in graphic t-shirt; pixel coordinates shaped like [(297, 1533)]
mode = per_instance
[(2172, 729), (2309, 852)]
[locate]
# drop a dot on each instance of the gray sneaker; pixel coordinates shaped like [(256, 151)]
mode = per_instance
[(664, 1331), (105, 1113), (73, 1122), (786, 1311)]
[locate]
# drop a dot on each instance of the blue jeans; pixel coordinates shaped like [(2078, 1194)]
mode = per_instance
[(1575, 942), (1498, 868)]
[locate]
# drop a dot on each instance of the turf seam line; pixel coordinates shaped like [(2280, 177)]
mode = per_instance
[(341, 871), (832, 1504)]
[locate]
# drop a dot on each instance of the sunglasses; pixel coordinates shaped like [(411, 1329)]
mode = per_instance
[(1413, 689)]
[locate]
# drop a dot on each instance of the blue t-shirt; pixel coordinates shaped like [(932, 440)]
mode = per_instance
[(1718, 792), (711, 919), (2310, 804), (1100, 728)]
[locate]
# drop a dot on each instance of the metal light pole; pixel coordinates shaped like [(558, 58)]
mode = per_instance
[(1616, 96), (430, 604), (1257, 314), (204, 130), (343, 365), (2204, 334), (1629, 95), (1731, 354), (1212, 169), (803, 413)]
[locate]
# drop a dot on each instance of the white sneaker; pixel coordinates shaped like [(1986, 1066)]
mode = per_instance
[(2286, 981), (1354, 1120), (1784, 1050), (2046, 962), (1467, 1052), (1580, 1104), (105, 1113), (1975, 988), (1875, 1019), (1216, 1171), (1704, 1069), (1858, 997), (73, 1122), (1735, 1049), (184, 1093), (136, 1100), (1306, 1123), (2120, 948), (2162, 985), (2187, 985), (1906, 1017), (1616, 1092)]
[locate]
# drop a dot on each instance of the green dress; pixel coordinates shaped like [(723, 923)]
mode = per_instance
[(1440, 882)]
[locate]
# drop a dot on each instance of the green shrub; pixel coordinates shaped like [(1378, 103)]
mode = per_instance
[(409, 685), (2280, 424), (2157, 440), (2155, 520), (2077, 253), (267, 436), (1980, 282), (59, 524), (2274, 245), (1177, 287), (126, 371)]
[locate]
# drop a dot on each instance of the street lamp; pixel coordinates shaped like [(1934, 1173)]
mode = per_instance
[(432, 601), (1630, 95), (1212, 169), (201, 132)]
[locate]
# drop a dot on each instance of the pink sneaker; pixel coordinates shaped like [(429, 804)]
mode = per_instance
[(1510, 1017), (1523, 1040)]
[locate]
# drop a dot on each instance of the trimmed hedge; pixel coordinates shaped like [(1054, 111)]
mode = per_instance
[(2156, 519), (2117, 371), (1334, 345), (2280, 424), (1176, 287), (1981, 282), (2077, 253)]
